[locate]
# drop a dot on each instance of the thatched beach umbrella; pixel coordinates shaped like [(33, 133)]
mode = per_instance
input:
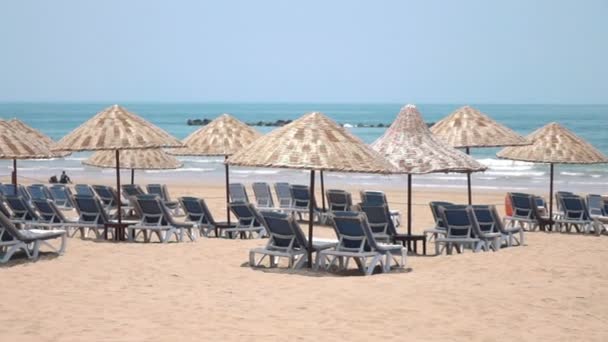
[(15, 144), (221, 137), (554, 144), (149, 159), (409, 144), (116, 129), (467, 128), (312, 142)]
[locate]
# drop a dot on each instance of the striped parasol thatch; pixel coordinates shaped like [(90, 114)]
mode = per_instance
[(312, 142), (16, 145), (115, 128), (36, 136), (149, 159), (409, 144), (221, 137), (468, 127), (554, 144)]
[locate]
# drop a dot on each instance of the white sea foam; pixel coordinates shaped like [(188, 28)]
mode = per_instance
[(572, 173)]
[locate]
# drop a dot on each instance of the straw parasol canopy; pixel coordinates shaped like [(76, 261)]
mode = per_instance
[(468, 127), (312, 142), (409, 144), (221, 137), (150, 159), (554, 144), (36, 135), (115, 128), (14, 144)]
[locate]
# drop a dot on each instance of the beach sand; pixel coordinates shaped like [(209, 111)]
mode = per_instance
[(556, 288)]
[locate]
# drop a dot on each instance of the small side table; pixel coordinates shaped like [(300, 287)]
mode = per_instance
[(410, 240)]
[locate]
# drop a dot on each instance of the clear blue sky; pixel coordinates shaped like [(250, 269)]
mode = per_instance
[(318, 51)]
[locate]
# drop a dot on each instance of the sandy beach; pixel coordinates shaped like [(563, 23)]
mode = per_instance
[(556, 287)]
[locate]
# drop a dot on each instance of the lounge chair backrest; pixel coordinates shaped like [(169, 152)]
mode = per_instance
[(353, 232), (281, 230), (372, 197), (90, 209), (48, 211), (378, 219), (9, 228), (106, 194), (522, 205), (21, 208), (151, 207), (238, 193), (263, 195), (84, 189), (484, 220), (435, 211), (574, 207), (193, 209), (38, 191), (246, 213), (130, 190), (62, 195), (283, 194), (9, 190), (558, 196), (595, 204), (497, 220), (300, 195), (338, 200), (457, 221)]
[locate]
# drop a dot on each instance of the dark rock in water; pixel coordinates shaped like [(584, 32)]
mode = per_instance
[(280, 123), (198, 122)]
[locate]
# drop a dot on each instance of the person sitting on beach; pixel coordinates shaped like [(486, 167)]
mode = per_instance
[(64, 179), (53, 179)]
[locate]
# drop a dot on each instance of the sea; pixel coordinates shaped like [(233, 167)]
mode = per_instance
[(588, 121)]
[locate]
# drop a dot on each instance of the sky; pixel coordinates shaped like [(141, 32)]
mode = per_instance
[(433, 51)]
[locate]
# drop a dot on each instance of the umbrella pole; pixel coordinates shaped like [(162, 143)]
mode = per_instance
[(469, 180), (118, 230), (227, 190), (409, 208), (322, 190), (14, 176), (311, 205), (132, 176), (551, 198)]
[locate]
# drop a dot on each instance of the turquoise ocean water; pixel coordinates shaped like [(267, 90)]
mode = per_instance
[(587, 121)]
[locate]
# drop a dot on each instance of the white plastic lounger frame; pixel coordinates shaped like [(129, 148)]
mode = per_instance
[(34, 239)]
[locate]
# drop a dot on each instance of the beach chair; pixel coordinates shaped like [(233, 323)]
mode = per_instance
[(525, 213), (9, 190), (62, 196), (22, 211), (485, 227), (30, 240), (574, 215), (161, 191), (379, 221), (91, 217), (597, 212), (249, 222), (459, 229), (286, 240), (157, 219), (198, 213), (300, 195), (52, 217), (84, 189), (558, 203), (439, 228), (263, 195), (108, 196), (512, 236), (131, 190), (238, 193), (338, 200), (38, 191), (283, 195), (356, 241), (373, 197)]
